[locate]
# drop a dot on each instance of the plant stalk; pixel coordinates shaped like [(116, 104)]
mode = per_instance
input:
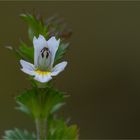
[(41, 128)]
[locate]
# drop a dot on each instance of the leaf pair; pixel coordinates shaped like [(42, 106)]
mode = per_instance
[(40, 103)]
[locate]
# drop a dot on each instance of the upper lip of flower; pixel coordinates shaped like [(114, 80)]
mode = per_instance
[(44, 55)]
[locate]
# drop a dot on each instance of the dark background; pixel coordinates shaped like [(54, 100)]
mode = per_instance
[(103, 75)]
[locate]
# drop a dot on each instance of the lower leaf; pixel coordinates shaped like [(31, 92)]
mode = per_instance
[(18, 134)]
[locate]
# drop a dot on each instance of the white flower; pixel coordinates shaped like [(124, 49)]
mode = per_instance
[(44, 55)]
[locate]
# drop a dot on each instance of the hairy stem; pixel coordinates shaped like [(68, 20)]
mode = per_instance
[(41, 129)]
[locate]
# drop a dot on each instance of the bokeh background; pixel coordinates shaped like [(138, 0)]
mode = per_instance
[(103, 75)]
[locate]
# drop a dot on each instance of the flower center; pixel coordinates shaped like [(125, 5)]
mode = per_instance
[(44, 59), (45, 52), (42, 72)]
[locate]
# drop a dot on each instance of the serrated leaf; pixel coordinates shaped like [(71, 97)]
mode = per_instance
[(61, 51), (28, 101), (18, 134), (40, 103), (59, 129), (35, 26)]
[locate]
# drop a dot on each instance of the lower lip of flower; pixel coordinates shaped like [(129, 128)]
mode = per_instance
[(42, 72)]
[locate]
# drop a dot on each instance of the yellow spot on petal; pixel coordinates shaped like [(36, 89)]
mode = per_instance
[(42, 72)]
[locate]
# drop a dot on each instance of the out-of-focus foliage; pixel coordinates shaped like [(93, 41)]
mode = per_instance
[(18, 134), (58, 27), (58, 129)]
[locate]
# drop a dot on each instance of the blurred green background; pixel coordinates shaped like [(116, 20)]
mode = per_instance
[(103, 75)]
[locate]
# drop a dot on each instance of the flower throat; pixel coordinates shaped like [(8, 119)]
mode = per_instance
[(45, 51)]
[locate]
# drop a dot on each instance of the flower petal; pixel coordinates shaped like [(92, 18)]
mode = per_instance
[(27, 71), (27, 65), (39, 43), (42, 78), (58, 68), (53, 46)]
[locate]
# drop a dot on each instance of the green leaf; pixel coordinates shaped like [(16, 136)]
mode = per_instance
[(61, 51), (35, 26), (59, 129), (17, 134), (26, 52), (23, 108), (27, 102), (57, 107), (40, 103)]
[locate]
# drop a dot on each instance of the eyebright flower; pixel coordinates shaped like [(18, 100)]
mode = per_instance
[(44, 55)]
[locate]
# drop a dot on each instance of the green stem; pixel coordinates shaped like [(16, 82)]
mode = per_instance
[(41, 120), (41, 129)]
